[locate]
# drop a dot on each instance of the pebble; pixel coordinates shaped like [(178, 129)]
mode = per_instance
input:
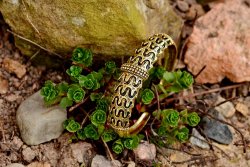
[(17, 143), (39, 164), (145, 151), (198, 140), (216, 130), (14, 66), (131, 164), (101, 161), (28, 154), (38, 123), (4, 85), (81, 151), (15, 165), (226, 109), (183, 6), (242, 108)]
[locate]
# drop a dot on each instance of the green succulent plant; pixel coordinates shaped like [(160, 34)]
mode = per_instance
[(75, 93), (131, 142), (110, 67), (71, 125), (98, 86), (102, 104), (91, 81), (49, 92), (147, 96), (95, 96), (170, 117), (82, 56), (182, 134), (98, 117), (117, 146), (74, 71), (80, 134), (193, 119), (91, 132), (109, 135)]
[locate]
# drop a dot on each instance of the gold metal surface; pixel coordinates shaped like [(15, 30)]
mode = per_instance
[(134, 72)]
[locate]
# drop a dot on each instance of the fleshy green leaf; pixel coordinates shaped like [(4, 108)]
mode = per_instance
[(110, 67), (89, 81), (91, 132), (170, 117), (131, 142), (82, 56), (193, 119), (117, 146), (182, 135), (98, 117), (75, 93), (95, 96), (66, 102), (109, 135), (147, 96), (80, 134), (102, 104), (74, 71), (72, 126), (50, 93)]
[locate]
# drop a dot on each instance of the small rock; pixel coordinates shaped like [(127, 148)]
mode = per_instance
[(39, 164), (210, 45), (198, 140), (81, 151), (12, 97), (227, 108), (131, 164), (15, 165), (14, 66), (28, 154), (145, 151), (242, 108), (4, 85), (101, 161), (38, 123), (17, 143), (216, 130), (183, 6)]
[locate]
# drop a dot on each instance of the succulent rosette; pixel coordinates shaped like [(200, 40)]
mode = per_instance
[(75, 93), (49, 92), (110, 67), (170, 117), (71, 125), (82, 56), (182, 134), (147, 96), (91, 132), (117, 146), (98, 117), (74, 71), (109, 135), (193, 119), (131, 142)]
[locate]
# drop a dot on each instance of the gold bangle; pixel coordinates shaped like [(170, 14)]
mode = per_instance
[(134, 72)]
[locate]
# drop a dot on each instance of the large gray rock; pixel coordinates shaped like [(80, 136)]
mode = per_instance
[(38, 123), (220, 41), (108, 27)]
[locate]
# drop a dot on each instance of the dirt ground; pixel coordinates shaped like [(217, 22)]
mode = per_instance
[(13, 150)]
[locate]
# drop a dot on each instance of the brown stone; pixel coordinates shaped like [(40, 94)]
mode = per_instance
[(220, 41), (4, 85), (14, 66)]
